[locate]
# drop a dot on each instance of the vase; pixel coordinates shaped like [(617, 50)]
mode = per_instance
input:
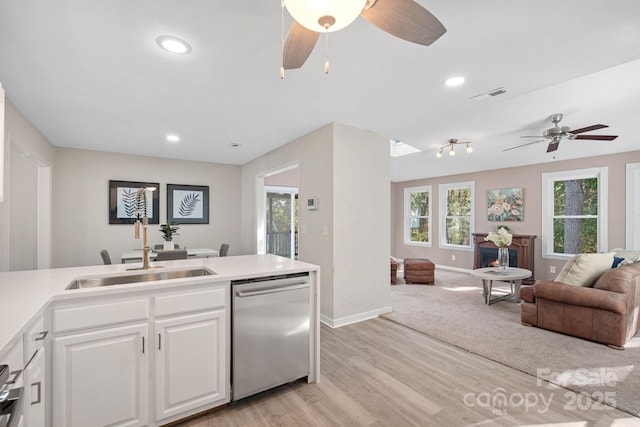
[(503, 259), (167, 245)]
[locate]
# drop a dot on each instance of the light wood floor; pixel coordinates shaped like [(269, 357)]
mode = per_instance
[(378, 373)]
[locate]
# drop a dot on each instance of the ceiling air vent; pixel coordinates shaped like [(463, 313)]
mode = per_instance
[(490, 94)]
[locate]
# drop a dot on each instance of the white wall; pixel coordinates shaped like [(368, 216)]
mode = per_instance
[(361, 198), (27, 146), (353, 254), (313, 154), (81, 208), (529, 178)]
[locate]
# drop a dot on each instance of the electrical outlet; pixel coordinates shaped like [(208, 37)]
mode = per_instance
[(453, 257), (552, 269)]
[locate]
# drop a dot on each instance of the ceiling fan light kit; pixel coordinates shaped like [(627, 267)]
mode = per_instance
[(313, 14), (404, 19)]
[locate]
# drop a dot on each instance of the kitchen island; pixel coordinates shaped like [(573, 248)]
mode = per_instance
[(72, 332)]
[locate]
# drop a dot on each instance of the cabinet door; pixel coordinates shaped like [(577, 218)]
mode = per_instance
[(190, 362), (35, 388), (100, 378)]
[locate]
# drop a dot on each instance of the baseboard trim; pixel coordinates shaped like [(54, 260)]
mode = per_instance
[(354, 318), (448, 267)]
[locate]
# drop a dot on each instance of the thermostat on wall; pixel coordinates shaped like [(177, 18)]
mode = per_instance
[(312, 203)]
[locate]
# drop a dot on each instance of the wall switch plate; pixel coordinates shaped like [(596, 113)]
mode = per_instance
[(552, 269), (325, 230), (453, 257), (303, 229)]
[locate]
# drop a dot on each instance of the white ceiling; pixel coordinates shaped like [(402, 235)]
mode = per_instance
[(89, 75)]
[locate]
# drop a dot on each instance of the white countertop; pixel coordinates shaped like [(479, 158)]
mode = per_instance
[(24, 294)]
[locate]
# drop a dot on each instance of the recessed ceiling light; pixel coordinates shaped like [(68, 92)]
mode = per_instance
[(173, 138), (173, 44), (454, 81)]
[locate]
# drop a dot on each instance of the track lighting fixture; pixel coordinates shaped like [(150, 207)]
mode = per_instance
[(451, 145)]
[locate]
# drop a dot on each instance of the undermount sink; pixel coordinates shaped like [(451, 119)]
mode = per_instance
[(146, 276)]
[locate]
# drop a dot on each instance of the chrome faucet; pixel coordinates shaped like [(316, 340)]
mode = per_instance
[(141, 209)]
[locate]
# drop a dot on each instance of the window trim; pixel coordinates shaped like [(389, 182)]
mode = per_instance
[(407, 217), (633, 206), (442, 196), (548, 179)]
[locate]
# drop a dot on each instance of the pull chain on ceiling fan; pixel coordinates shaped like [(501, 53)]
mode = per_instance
[(557, 133), (404, 19)]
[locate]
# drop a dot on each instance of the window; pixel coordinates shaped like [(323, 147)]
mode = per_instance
[(633, 206), (574, 213), (456, 215), (417, 216)]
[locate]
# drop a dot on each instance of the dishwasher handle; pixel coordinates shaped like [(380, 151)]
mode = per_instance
[(273, 290)]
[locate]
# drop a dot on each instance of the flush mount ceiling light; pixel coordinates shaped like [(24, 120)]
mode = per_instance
[(173, 138), (451, 145), (454, 81), (173, 44)]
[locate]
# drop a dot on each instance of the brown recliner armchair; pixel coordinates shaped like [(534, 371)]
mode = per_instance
[(608, 312)]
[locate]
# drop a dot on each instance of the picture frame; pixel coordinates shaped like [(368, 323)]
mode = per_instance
[(505, 204), (188, 204), (122, 202)]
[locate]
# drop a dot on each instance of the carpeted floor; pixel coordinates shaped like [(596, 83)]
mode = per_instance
[(454, 311)]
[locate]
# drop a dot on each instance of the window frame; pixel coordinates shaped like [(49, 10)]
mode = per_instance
[(443, 189), (407, 215), (547, 205)]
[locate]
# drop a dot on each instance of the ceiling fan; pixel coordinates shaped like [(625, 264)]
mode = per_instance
[(555, 134), (405, 19)]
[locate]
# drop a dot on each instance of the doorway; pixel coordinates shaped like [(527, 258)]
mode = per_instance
[(281, 221)]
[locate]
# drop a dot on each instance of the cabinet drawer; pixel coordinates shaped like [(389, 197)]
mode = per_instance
[(34, 338), (88, 315), (185, 302)]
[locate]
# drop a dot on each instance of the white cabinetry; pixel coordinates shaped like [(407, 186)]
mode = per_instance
[(187, 378), (100, 378), (142, 360), (26, 359), (191, 346), (35, 378), (100, 362)]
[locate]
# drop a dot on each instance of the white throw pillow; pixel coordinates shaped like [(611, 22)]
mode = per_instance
[(584, 269), (632, 255)]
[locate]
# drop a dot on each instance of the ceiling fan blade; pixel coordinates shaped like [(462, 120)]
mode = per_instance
[(532, 136), (524, 145), (597, 137), (589, 128), (298, 46), (405, 19), (553, 146)]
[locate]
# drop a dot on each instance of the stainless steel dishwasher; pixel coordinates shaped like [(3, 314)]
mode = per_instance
[(270, 332)]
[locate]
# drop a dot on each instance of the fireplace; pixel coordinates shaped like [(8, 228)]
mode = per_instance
[(489, 257), (521, 253)]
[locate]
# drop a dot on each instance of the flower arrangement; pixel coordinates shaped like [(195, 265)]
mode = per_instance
[(501, 239), (169, 230)]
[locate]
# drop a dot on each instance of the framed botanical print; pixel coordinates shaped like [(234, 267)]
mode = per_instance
[(188, 204), (122, 202)]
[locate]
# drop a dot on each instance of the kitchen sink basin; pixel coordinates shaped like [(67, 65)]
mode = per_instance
[(146, 276)]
